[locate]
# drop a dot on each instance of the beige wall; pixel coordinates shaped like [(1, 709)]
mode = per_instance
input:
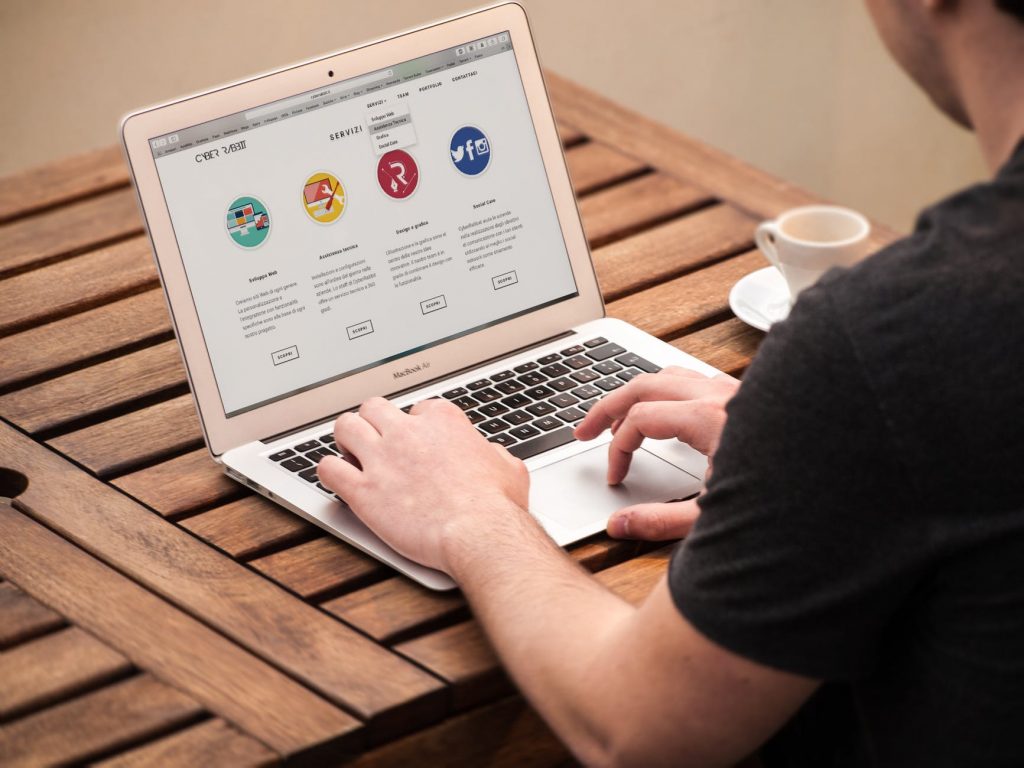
[(801, 88)]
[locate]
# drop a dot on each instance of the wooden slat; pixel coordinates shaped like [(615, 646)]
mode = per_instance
[(257, 614), (66, 179), (55, 667), (212, 742), (506, 734), (593, 166), (163, 640), (632, 206), (21, 617), (55, 402), (70, 229), (118, 445), (670, 308), (671, 249), (96, 723), (318, 566), (249, 525), (76, 284), (727, 346), (187, 482), (75, 339), (569, 135), (462, 655)]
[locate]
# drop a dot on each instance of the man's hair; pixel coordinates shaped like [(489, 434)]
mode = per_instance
[(1013, 7)]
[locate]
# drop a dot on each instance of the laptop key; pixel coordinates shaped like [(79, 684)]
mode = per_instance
[(325, 439), (310, 475), (510, 386), (563, 400), (478, 384), (475, 417), (595, 342), (587, 405), (524, 432), (629, 375), (307, 446), (516, 401), (281, 455), (465, 402), (486, 395), (525, 367), (587, 391), (605, 351), (517, 417), (451, 394), (584, 376), (547, 423), (493, 426), (609, 383), (493, 409), (554, 370), (577, 362), (319, 453), (297, 464), (574, 350), (629, 359), (571, 414), (546, 442), (548, 359), (532, 379), (607, 367), (503, 439), (539, 393), (541, 409), (562, 384), (502, 375)]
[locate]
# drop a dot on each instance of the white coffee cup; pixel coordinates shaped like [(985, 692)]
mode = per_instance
[(804, 243)]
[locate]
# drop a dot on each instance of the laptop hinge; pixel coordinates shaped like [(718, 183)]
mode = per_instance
[(423, 384)]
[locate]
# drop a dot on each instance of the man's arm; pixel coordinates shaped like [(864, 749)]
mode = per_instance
[(620, 685)]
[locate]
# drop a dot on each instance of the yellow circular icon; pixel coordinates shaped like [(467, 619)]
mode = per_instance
[(323, 197)]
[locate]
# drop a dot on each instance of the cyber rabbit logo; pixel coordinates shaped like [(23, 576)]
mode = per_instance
[(470, 150)]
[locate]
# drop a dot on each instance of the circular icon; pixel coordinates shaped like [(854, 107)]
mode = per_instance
[(323, 197), (398, 174), (248, 222), (471, 151)]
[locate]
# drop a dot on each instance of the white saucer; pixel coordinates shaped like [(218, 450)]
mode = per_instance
[(761, 298)]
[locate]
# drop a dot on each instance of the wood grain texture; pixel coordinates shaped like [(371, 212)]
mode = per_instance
[(63, 180), (163, 640), (728, 346), (66, 342), (187, 482), (123, 443), (111, 384), (76, 284), (671, 308), (569, 135), (98, 722), (628, 208), (71, 229), (212, 742), (253, 611), (55, 667), (672, 248), (245, 527), (318, 566), (21, 617), (593, 166)]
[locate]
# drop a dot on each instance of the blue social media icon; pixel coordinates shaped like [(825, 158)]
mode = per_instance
[(471, 151)]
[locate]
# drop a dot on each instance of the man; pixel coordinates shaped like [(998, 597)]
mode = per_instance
[(853, 588)]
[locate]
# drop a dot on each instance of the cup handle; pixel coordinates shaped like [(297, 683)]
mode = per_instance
[(764, 236)]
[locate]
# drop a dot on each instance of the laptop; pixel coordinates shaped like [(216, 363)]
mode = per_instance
[(395, 219)]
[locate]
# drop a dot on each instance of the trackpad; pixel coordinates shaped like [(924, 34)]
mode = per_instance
[(575, 494)]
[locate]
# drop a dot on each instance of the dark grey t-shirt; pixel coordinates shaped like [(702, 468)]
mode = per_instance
[(865, 521)]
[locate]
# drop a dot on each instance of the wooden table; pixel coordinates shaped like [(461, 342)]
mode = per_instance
[(153, 612)]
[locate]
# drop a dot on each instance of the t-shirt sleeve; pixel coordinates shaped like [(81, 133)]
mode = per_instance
[(808, 539)]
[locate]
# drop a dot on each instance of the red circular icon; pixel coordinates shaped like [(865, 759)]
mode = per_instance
[(398, 174)]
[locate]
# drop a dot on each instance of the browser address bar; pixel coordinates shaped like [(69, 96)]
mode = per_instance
[(279, 106)]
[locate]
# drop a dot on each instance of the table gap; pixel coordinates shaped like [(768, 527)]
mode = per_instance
[(113, 412), (70, 254), (82, 689)]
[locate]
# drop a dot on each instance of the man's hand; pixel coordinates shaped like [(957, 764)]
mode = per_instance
[(425, 480), (676, 402)]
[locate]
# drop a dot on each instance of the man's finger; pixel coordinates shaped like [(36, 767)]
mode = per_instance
[(381, 414), (339, 475), (654, 522), (644, 388), (659, 420), (355, 435)]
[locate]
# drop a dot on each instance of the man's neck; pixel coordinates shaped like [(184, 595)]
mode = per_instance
[(989, 69)]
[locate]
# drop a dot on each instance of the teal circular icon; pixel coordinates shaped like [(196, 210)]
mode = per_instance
[(248, 222)]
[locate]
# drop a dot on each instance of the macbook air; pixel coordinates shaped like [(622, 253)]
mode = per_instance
[(395, 219)]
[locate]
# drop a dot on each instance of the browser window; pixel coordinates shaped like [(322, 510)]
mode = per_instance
[(339, 229)]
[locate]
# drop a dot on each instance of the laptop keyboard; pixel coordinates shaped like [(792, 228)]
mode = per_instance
[(529, 408)]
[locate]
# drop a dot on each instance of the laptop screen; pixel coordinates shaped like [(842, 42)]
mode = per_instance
[(330, 232)]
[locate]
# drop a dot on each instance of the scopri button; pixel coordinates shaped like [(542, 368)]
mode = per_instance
[(365, 328), (433, 305), (504, 280)]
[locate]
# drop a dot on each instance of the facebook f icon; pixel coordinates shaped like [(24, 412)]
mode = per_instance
[(471, 151)]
